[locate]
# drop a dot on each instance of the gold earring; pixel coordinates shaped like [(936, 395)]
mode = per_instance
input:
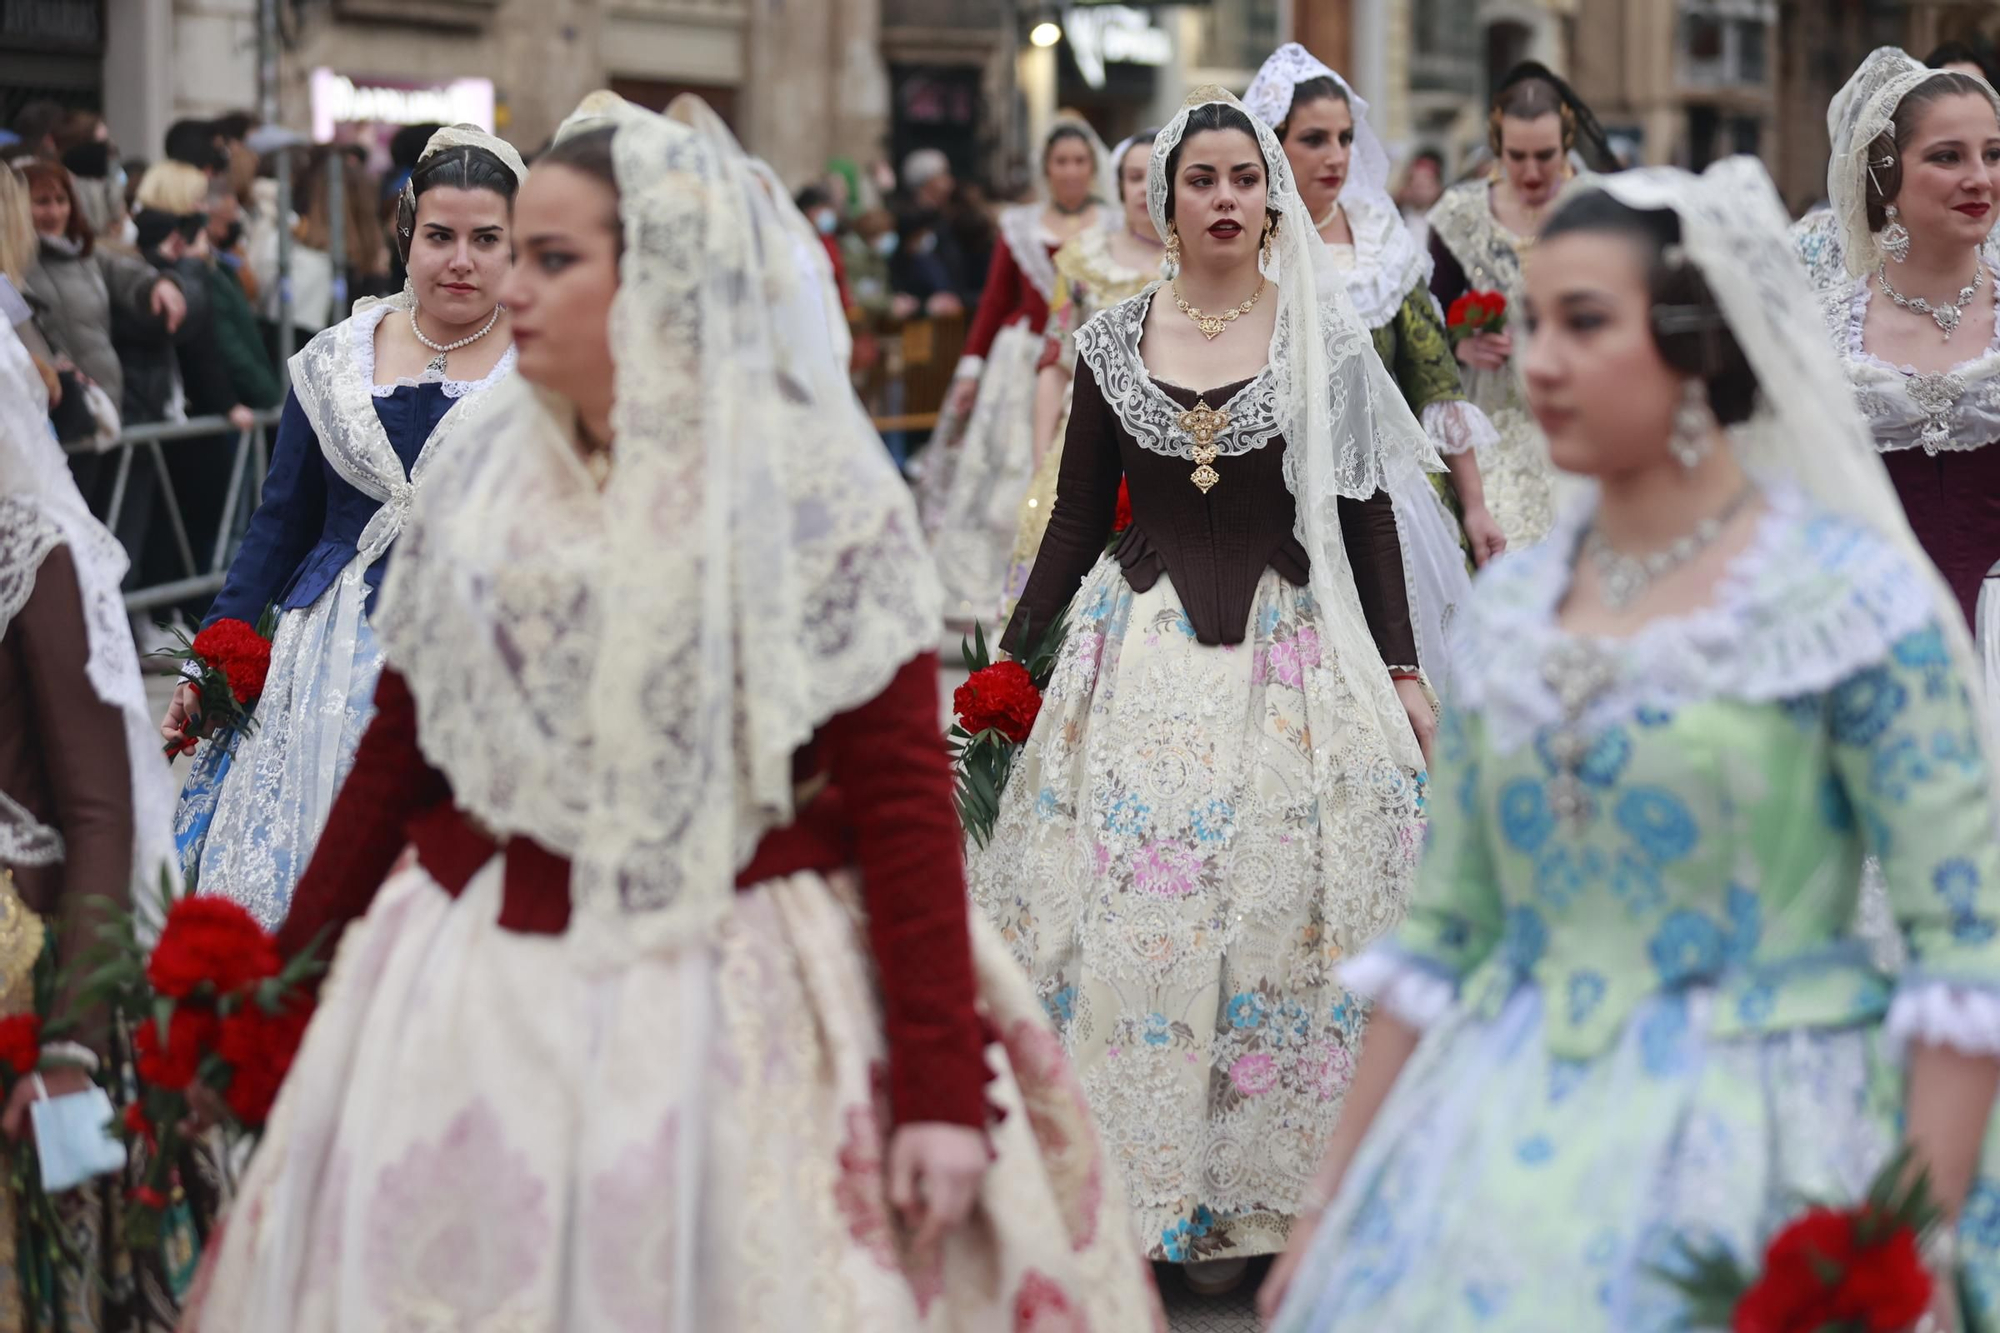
[(1173, 247), (1270, 242)]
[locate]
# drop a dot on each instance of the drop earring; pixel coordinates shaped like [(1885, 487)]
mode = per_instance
[(1171, 261), (1694, 424), (1270, 247), (1894, 238)]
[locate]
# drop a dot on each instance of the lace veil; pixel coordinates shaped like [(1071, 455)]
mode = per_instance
[(1807, 427), (1860, 112), (40, 509), (624, 674), (1346, 426)]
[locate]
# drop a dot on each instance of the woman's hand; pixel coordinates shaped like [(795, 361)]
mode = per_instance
[(903, 306), (1422, 720), (1486, 351), (1483, 534), (964, 392), (60, 1082), (242, 417), (169, 303), (1278, 1282), (183, 721), (934, 1174)]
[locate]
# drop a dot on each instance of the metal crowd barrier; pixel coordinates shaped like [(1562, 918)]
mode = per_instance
[(141, 445), (906, 386)]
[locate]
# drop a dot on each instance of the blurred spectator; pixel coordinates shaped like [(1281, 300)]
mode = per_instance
[(234, 131), (251, 370), (135, 168), (970, 235), (197, 143), (917, 273), (1960, 58), (867, 248), (816, 202), (99, 180), (404, 149), (930, 192), (189, 376), (228, 231), (17, 252), (80, 285), (36, 124), (1423, 186), (367, 258)]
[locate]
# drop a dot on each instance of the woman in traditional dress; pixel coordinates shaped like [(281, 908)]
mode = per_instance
[(1221, 795), (631, 1044), (1628, 1008), (1100, 267), (1343, 176), (1915, 185), (85, 808), (982, 453), (374, 401), (1479, 232)]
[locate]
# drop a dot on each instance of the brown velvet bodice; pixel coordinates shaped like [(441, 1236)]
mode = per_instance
[(1214, 547)]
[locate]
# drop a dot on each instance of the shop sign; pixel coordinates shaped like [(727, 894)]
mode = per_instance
[(340, 100), (1114, 35)]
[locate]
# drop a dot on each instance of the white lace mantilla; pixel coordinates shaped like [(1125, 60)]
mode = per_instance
[(1388, 262), (1952, 410), (1488, 252), (1029, 242), (364, 323), (1813, 599), (1109, 345)]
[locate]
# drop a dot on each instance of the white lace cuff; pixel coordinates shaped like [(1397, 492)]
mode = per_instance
[(1456, 427), (1939, 1013), (969, 367), (1416, 995)]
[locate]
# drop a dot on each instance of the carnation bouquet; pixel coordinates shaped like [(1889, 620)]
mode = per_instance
[(1475, 312), (226, 663), (993, 713), (217, 1017), (1858, 1269)]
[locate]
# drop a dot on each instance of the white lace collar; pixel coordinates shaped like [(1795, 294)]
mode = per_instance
[(361, 328), (1030, 243), (1109, 345), (1952, 410), (1388, 262), (1814, 598)]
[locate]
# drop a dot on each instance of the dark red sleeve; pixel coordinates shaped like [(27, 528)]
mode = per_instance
[(998, 303), (366, 830), (888, 759)]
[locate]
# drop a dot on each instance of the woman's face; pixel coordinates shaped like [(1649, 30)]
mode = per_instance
[(1319, 140), (1132, 173), (1531, 154), (1070, 167), (1220, 192), (50, 204), (1596, 381), (459, 253), (559, 292), (1951, 175)]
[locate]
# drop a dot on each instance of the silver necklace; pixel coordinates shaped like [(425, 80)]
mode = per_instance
[(1625, 578), (445, 349), (1947, 316)]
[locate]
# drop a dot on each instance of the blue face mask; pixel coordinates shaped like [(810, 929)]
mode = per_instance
[(927, 244), (827, 221), (73, 1138), (885, 244)]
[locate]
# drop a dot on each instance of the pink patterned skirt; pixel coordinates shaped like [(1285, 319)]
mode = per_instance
[(480, 1136)]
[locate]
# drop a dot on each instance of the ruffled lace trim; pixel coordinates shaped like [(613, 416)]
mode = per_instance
[(1811, 600), (1388, 262), (1417, 996), (362, 326), (1029, 242), (1456, 427), (1109, 345), (1944, 411), (1965, 1019)]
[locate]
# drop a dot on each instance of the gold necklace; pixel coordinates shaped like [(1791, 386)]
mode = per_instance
[(1211, 326)]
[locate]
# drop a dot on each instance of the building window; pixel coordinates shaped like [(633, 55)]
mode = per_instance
[(1726, 43)]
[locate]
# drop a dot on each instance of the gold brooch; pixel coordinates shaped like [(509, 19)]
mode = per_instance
[(1203, 423)]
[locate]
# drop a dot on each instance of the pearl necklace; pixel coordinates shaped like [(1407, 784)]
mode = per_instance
[(445, 349)]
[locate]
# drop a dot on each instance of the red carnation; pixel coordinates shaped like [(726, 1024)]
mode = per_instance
[(240, 653), (148, 1197), (21, 1043), (136, 1122), (1001, 697), (1460, 312), (259, 1048), (1817, 1272), (1123, 518), (190, 1035), (208, 939)]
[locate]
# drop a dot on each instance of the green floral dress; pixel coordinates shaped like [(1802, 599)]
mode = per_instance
[(1645, 1012)]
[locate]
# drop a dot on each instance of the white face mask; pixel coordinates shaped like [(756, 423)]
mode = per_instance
[(886, 243), (827, 221)]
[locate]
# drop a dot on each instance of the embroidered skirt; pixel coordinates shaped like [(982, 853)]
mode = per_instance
[(253, 806), (1190, 841), (478, 1134)]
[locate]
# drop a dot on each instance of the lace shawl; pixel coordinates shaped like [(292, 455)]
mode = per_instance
[(1952, 410)]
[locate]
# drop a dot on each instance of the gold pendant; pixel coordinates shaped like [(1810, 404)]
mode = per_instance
[(1203, 423), (1211, 327)]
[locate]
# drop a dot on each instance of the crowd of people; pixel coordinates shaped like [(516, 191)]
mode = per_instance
[(1497, 817)]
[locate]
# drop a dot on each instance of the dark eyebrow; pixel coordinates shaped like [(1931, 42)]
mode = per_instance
[(1248, 166), (547, 238), (1586, 297), (490, 228), (1197, 166)]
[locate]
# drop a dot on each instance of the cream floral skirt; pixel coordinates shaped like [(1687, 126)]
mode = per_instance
[(480, 1136), (1191, 840)]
